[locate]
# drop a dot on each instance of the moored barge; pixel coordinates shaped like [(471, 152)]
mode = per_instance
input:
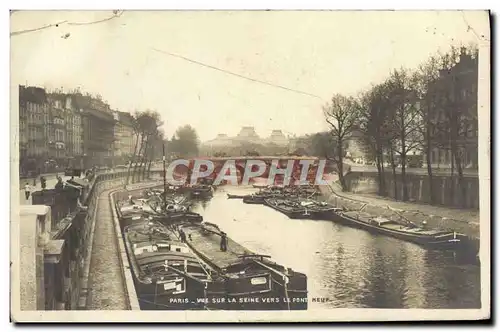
[(167, 275), (407, 231), (252, 281), (301, 208)]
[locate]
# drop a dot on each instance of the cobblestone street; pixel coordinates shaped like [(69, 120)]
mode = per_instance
[(106, 285)]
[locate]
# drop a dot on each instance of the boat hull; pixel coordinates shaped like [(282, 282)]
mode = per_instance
[(152, 297), (231, 196), (253, 200), (444, 242), (302, 213)]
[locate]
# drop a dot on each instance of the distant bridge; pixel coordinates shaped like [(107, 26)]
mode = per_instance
[(240, 163)]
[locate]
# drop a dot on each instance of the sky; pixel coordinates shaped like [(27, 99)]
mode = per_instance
[(318, 53)]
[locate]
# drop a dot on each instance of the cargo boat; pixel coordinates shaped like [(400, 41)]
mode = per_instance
[(231, 196), (404, 231), (167, 274), (198, 191), (301, 209), (252, 281)]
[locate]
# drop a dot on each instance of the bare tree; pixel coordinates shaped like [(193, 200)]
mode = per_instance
[(405, 122), (147, 123), (342, 114), (137, 135), (373, 124), (426, 91), (457, 100)]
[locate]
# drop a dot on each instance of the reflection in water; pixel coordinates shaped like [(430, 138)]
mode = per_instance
[(350, 267)]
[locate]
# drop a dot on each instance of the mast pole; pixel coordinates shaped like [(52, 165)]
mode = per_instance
[(164, 180)]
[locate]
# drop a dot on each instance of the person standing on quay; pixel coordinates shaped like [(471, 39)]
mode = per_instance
[(27, 190)]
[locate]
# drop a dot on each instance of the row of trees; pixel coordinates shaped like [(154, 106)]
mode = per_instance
[(150, 140), (434, 106), (184, 142)]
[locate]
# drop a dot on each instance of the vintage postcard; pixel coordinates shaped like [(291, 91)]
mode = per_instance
[(250, 166)]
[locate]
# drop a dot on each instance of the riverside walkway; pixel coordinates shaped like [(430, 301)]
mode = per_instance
[(107, 285), (106, 289)]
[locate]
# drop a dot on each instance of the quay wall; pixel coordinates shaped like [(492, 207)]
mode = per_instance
[(418, 187)]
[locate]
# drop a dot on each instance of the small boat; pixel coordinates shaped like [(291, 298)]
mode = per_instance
[(301, 209), (256, 198), (167, 274), (175, 212), (135, 206), (231, 196), (404, 231), (319, 210), (198, 191)]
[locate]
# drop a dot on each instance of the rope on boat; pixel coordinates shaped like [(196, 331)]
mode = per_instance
[(285, 282), (401, 216)]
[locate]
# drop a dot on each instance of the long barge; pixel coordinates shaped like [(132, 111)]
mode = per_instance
[(253, 281), (167, 275), (430, 238), (301, 208)]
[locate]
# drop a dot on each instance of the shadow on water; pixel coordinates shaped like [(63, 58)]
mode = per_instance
[(347, 267)]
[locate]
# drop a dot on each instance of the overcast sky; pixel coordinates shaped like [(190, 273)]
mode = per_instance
[(320, 53)]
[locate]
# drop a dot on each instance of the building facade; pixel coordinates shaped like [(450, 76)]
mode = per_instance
[(459, 84), (124, 137), (277, 137), (97, 124), (247, 140), (56, 130), (33, 143)]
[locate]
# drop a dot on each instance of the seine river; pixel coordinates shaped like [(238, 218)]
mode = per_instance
[(346, 267)]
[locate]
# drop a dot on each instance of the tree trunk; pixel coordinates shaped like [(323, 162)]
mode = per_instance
[(403, 157), (381, 172), (142, 165), (461, 184), (403, 176), (141, 147), (379, 158), (340, 165), (452, 173), (428, 152), (151, 157), (132, 159), (394, 179)]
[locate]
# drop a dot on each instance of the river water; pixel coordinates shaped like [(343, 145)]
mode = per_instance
[(347, 267)]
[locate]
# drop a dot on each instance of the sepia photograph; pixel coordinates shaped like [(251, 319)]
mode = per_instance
[(249, 166)]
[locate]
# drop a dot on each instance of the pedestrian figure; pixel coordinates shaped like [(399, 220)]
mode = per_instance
[(27, 190), (43, 182), (223, 242), (59, 185), (183, 236), (189, 236)]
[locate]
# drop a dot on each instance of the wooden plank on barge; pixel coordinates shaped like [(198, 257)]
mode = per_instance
[(208, 245)]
